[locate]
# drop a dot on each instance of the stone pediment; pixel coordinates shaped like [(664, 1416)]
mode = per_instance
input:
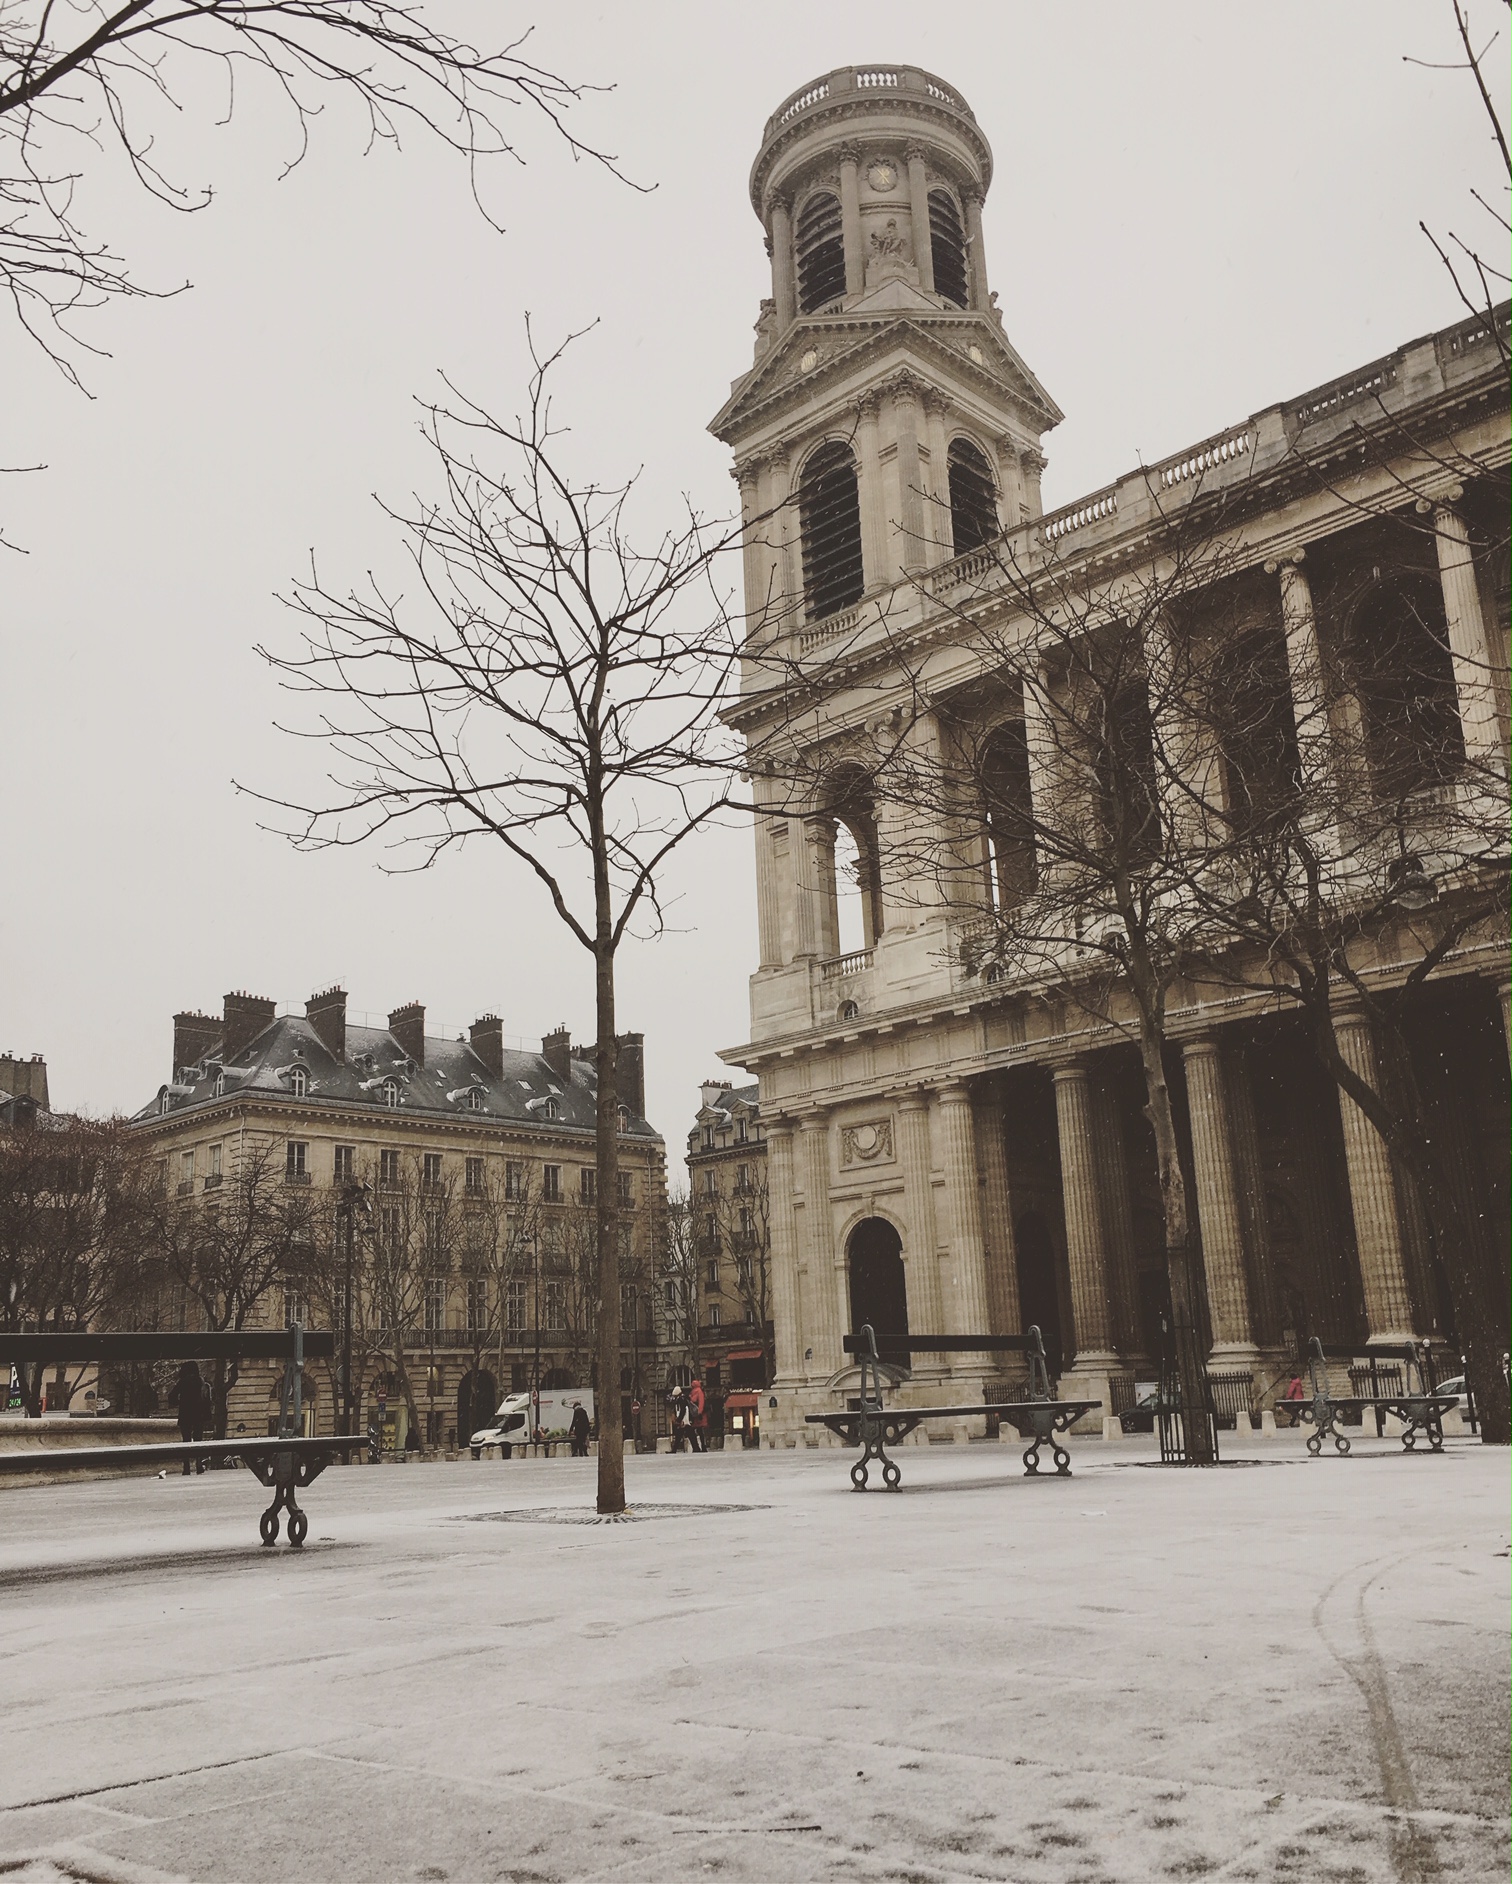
[(950, 343)]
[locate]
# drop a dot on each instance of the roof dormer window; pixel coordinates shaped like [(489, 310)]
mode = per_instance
[(474, 1100), (299, 1082), (391, 1092)]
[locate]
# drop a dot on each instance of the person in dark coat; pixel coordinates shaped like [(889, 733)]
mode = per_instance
[(579, 1427), (192, 1398), (698, 1415)]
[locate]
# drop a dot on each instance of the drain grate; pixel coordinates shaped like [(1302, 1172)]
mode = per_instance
[(575, 1514)]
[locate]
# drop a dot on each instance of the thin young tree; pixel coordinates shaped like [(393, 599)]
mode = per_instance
[(85, 85), (550, 692)]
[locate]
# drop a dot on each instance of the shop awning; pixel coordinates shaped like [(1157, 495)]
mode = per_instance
[(745, 1354), (742, 1402)]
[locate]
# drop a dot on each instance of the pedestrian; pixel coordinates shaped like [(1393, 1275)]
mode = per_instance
[(698, 1417), (190, 1396), (578, 1428), (679, 1419)]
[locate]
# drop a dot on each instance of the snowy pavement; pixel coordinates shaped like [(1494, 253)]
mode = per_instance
[(1281, 1669)]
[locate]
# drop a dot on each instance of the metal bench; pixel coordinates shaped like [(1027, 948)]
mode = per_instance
[(1420, 1413), (874, 1425), (285, 1461)]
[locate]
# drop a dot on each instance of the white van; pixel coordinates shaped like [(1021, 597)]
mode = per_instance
[(514, 1425)]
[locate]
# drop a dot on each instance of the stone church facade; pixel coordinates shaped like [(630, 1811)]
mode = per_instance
[(965, 1151)]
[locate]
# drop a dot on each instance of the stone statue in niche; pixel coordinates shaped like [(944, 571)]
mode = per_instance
[(871, 1143), (890, 245)]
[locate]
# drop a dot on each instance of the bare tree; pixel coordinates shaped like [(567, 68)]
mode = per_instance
[(232, 1250), (679, 1276), (82, 80), (551, 690), (743, 1230), (76, 1199)]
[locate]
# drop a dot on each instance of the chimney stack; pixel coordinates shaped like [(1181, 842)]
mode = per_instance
[(193, 1037), (557, 1051), (25, 1079), (246, 1016), (407, 1025), (326, 1013), (630, 1079), (486, 1037), (712, 1090)]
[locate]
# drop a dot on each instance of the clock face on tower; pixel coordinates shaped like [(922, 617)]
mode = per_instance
[(882, 175)]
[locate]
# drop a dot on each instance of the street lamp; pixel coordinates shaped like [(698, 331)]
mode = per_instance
[(353, 1195)]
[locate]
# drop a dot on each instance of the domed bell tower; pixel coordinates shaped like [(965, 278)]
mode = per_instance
[(884, 395)]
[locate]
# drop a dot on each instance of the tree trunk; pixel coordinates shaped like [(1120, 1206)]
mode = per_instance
[(611, 1440)]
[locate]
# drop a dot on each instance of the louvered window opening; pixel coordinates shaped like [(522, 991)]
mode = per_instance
[(947, 246), (821, 254), (973, 500), (829, 507)]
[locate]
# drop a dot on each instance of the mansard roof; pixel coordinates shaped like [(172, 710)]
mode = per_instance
[(264, 1070), (941, 339)]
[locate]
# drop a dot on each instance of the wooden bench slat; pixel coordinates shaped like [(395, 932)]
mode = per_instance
[(93, 1458)]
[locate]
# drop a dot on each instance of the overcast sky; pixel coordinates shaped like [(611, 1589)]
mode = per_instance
[(1198, 209)]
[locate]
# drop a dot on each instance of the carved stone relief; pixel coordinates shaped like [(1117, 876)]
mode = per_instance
[(871, 1143)]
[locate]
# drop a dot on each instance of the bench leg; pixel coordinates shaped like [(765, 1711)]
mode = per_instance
[(1058, 1453), (284, 1474), (872, 1448)]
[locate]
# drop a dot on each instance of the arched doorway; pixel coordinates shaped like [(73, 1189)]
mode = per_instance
[(1039, 1301), (878, 1287), (477, 1400)]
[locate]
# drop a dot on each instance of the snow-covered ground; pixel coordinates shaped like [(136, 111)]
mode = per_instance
[(1283, 1669)]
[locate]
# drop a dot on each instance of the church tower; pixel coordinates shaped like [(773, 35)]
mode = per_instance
[(884, 393)]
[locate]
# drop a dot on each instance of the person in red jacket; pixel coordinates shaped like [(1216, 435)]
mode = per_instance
[(700, 1417)]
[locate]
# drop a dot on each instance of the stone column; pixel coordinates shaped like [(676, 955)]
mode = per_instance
[(784, 285), (966, 1311), (979, 297), (764, 827), (1218, 1213), (784, 535), (1095, 1354), (1118, 1222), (918, 209), (911, 551), (1372, 1193), (1191, 786), (815, 860), (874, 564), (850, 219), (819, 1298), (921, 1256), (787, 1318), (1304, 659), (1469, 644), (1265, 1306), (939, 546), (1003, 1308), (1049, 786), (1033, 463), (1011, 482), (754, 561)]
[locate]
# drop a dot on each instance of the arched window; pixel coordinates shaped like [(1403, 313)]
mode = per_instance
[(299, 1082), (829, 509), (550, 1109), (973, 500), (947, 247), (474, 1099), (220, 1085), (1003, 769), (1404, 679), (821, 254), (856, 888), (391, 1092)]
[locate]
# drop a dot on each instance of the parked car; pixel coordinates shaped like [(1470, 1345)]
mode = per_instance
[(1140, 1418), (1460, 1388)]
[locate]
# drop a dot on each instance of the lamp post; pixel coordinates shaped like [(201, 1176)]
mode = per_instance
[(352, 1195)]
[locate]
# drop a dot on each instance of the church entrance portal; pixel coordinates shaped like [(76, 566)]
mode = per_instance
[(878, 1291)]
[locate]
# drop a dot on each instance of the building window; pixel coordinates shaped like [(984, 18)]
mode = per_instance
[(628, 1306), (626, 1241), (708, 1138), (213, 1166), (299, 1082), (388, 1167), (669, 1294), (430, 1170), (295, 1307), (587, 1186), (711, 1182), (186, 1172), (435, 1304), (220, 1085), (626, 1188), (820, 242), (344, 1165), (474, 1099), (391, 1229), (514, 1308), (514, 1182), (741, 1132), (742, 1178), (714, 1315), (624, 1118), (164, 1101), (973, 498), (296, 1165), (477, 1304), (829, 511), (747, 1223), (714, 1274), (391, 1092), (947, 247), (548, 1109), (473, 1180), (551, 1183), (555, 1307), (435, 1232), (1004, 766)]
